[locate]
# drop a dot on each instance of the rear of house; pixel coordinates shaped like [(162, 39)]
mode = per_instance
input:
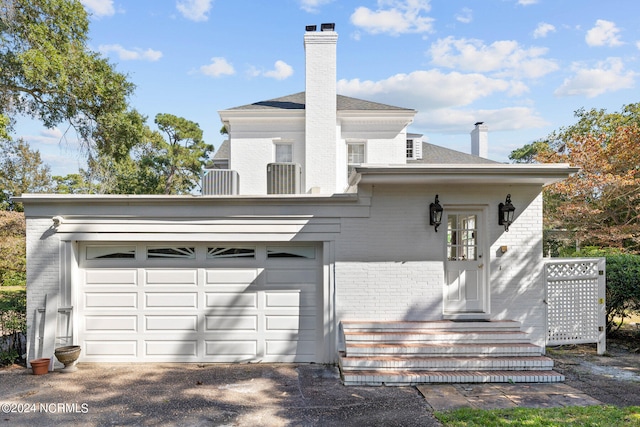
[(346, 253)]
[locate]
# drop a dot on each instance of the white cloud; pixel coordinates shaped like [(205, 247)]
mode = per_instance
[(425, 89), (605, 33), (465, 16), (607, 76), (313, 6), (194, 10), (394, 17), (99, 7), (131, 54), (450, 120), (281, 71), (543, 29), (218, 67), (527, 2), (503, 57)]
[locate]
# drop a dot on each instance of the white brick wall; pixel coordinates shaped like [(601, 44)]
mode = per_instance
[(389, 290), (390, 265), (43, 272)]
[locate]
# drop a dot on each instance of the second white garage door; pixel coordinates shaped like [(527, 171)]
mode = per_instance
[(199, 302)]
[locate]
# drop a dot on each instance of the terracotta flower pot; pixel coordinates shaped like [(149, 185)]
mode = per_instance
[(40, 366)]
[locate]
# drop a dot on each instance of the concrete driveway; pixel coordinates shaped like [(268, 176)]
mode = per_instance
[(203, 395)]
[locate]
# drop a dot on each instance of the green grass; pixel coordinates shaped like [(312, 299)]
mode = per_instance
[(12, 298), (605, 416)]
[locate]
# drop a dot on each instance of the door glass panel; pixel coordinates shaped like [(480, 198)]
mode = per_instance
[(462, 237)]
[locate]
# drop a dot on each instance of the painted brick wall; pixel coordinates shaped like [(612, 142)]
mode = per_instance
[(43, 271), (389, 290), (389, 266)]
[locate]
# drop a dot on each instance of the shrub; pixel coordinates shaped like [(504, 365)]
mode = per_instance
[(623, 288)]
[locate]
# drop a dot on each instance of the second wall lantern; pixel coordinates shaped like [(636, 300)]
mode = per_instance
[(506, 212), (435, 214)]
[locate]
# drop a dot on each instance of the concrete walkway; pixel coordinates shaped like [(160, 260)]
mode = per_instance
[(446, 397), (268, 395)]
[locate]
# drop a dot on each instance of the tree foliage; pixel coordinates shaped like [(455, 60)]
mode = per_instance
[(21, 171), (13, 263), (166, 161), (47, 72), (599, 205)]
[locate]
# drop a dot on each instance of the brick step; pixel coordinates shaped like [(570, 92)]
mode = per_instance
[(374, 326), (435, 335), (421, 363), (443, 349), (409, 377)]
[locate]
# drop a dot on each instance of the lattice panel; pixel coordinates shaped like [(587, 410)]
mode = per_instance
[(573, 302), (571, 269)]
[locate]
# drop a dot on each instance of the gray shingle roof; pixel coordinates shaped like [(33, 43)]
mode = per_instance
[(435, 154), (296, 101)]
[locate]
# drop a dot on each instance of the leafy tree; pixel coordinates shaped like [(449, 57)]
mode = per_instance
[(21, 171), (528, 153), (599, 205), (155, 164), (49, 73), (182, 155), (73, 183)]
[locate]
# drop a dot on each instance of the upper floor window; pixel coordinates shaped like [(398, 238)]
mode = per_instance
[(284, 153), (409, 148), (355, 155)]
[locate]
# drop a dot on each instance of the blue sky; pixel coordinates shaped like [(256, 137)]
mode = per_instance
[(521, 66)]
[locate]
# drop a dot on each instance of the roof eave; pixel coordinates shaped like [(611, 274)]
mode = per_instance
[(538, 174)]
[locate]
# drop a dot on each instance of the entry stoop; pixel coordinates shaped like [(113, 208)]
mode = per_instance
[(408, 353)]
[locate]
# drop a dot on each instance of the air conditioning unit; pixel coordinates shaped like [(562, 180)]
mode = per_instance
[(220, 182), (283, 178)]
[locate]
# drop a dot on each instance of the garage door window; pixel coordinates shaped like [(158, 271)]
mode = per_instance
[(231, 252), (173, 252), (308, 252), (111, 252)]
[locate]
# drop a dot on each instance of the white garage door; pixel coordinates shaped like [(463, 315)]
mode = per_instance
[(200, 302)]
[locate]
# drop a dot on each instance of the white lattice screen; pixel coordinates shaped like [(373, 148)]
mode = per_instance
[(576, 301)]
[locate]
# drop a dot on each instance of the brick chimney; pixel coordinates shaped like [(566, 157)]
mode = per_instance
[(480, 140), (321, 149)]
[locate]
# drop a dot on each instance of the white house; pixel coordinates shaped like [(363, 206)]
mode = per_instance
[(315, 242)]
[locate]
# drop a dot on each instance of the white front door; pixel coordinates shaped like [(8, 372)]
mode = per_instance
[(465, 292)]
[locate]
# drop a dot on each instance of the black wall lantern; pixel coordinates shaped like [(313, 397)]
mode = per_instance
[(435, 214), (505, 213)]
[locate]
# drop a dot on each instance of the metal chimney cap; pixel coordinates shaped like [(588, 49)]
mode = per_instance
[(478, 123), (328, 27), (311, 28)]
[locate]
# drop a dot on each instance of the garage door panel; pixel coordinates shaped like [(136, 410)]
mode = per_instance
[(102, 348), (112, 277), (231, 323), (225, 299), (98, 300), (289, 299), (290, 323), (171, 323), (247, 348), (292, 276), (171, 348), (171, 299), (111, 324), (231, 276), (290, 348), (174, 277)]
